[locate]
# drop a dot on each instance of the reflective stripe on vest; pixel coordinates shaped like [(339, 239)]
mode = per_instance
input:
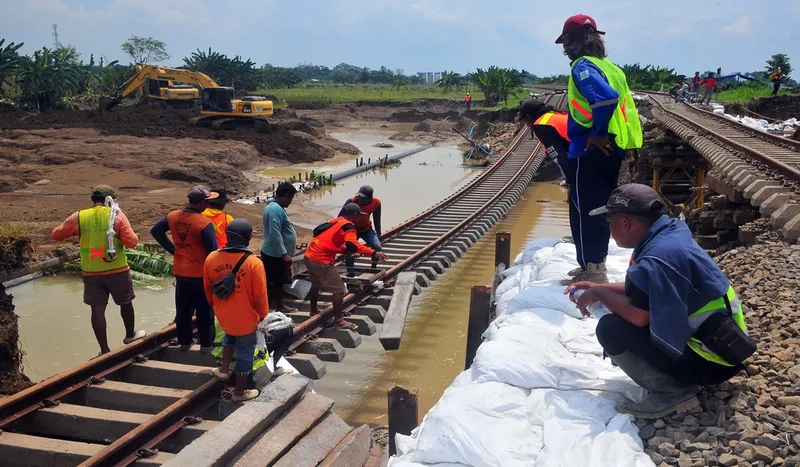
[(624, 123), (93, 225), (700, 316), (558, 121), (216, 352)]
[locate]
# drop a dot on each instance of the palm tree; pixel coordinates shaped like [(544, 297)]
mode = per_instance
[(449, 80)]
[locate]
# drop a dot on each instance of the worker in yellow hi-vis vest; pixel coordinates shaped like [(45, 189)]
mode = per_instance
[(104, 266), (603, 124)]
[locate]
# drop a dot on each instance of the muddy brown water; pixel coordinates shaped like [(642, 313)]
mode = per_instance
[(55, 333), (432, 351)]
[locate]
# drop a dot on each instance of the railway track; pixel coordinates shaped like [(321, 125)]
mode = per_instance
[(750, 165), (145, 402)]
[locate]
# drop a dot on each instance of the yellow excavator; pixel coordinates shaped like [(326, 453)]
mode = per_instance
[(218, 108)]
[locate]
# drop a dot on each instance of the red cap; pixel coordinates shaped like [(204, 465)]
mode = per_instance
[(578, 23)]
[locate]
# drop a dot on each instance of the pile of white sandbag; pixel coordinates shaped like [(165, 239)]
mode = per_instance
[(786, 126), (539, 392)]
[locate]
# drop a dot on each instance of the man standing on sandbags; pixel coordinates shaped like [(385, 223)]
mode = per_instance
[(676, 323), (603, 123)]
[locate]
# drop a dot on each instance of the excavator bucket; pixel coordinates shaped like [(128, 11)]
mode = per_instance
[(107, 103)]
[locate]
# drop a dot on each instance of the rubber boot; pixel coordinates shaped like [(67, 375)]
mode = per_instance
[(667, 394), (595, 272)]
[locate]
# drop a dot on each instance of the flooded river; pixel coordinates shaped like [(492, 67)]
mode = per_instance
[(433, 348)]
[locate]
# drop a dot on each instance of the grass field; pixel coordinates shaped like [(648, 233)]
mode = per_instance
[(340, 94), (746, 93)]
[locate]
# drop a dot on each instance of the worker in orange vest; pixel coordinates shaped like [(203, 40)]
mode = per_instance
[(468, 101), (370, 206), (337, 236), (220, 218), (550, 127)]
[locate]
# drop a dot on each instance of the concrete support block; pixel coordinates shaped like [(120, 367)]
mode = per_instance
[(192, 356), (328, 350), (116, 395), (429, 273), (349, 339), (784, 214), (222, 443), (765, 193), (157, 373), (745, 181), (791, 231), (423, 281), (773, 203), (754, 187), (308, 365), (374, 309), (366, 327)]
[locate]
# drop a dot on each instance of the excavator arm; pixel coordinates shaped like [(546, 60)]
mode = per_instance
[(147, 72)]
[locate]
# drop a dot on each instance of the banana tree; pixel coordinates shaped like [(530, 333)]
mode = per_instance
[(49, 75), (449, 80), (9, 61)]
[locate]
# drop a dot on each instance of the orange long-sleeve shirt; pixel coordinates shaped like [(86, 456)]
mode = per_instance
[(325, 246), (240, 313), (71, 227)]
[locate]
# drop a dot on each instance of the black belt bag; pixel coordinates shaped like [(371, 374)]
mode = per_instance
[(278, 337), (721, 335)]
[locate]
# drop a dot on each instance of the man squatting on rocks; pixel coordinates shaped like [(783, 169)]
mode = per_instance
[(676, 323), (603, 123), (235, 285), (337, 236), (103, 274), (194, 237)]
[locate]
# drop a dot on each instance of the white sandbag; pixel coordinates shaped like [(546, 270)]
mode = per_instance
[(508, 284), (502, 303), (534, 246), (512, 270), (480, 425), (551, 296)]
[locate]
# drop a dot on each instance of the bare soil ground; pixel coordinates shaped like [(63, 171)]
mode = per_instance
[(779, 108)]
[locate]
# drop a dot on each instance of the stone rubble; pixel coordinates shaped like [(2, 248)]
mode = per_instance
[(753, 419)]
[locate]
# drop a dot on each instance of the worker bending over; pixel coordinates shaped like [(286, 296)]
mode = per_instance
[(549, 127), (676, 323), (603, 123), (369, 206), (235, 284), (103, 273), (337, 236), (194, 239)]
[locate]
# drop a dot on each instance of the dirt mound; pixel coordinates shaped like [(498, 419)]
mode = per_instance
[(778, 108), (12, 379), (148, 120), (407, 116)]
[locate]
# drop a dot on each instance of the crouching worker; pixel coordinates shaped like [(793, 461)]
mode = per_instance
[(337, 236), (549, 127), (236, 286), (676, 323)]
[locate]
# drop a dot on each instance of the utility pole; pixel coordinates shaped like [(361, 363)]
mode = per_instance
[(56, 43)]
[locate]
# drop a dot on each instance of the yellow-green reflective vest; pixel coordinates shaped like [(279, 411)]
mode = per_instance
[(93, 224), (698, 317), (259, 360), (624, 124)]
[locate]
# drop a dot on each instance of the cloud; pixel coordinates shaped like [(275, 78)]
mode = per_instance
[(739, 27)]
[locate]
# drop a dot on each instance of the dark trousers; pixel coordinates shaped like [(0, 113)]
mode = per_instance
[(557, 147), (775, 87), (591, 180), (370, 237), (190, 299), (617, 336)]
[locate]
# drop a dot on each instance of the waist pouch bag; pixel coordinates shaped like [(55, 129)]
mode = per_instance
[(223, 288), (278, 337), (721, 335)]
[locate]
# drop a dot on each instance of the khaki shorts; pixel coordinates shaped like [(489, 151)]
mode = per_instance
[(325, 277), (119, 285)]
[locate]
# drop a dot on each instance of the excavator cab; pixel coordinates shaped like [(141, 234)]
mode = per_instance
[(217, 100)]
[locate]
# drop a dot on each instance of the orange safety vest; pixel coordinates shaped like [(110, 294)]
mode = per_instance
[(324, 247), (468, 98), (556, 120), (364, 222), (190, 253), (220, 220)]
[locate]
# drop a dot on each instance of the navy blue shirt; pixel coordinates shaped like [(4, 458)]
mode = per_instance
[(603, 100), (678, 278)]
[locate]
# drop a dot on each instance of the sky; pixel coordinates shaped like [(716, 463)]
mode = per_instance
[(418, 35)]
